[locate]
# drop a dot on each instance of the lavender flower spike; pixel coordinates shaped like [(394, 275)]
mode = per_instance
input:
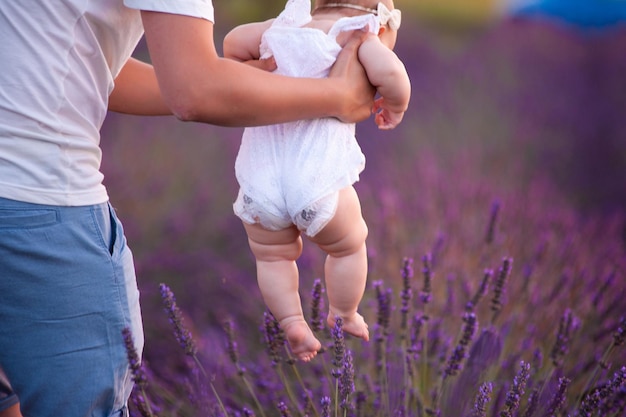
[(558, 399), (561, 345), (274, 337), (183, 336), (493, 217), (602, 398), (481, 291), (407, 293), (620, 334), (514, 395), (346, 381), (340, 347), (134, 362), (233, 351), (384, 305), (325, 406), (247, 412), (284, 410), (499, 287), (469, 329), (425, 295), (407, 274), (317, 319), (482, 399)]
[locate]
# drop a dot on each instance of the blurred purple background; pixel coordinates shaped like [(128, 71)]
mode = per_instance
[(527, 112)]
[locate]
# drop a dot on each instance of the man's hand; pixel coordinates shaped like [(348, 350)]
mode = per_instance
[(353, 82)]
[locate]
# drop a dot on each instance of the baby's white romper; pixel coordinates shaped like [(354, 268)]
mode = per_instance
[(291, 173)]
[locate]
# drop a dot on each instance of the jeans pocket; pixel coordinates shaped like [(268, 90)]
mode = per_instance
[(11, 218), (105, 226)]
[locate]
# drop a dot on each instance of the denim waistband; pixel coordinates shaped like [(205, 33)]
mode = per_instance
[(42, 214)]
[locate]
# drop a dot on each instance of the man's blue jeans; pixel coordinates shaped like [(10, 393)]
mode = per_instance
[(67, 289)]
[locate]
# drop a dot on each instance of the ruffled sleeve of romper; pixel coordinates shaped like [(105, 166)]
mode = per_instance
[(202, 9), (296, 13)]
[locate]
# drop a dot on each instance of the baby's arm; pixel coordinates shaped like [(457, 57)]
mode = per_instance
[(387, 73), (242, 44)]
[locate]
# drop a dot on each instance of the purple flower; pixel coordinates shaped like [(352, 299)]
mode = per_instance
[(597, 298), (561, 344), (608, 391), (346, 381), (459, 353), (416, 328), (532, 403), (274, 337), (384, 306), (589, 404), (537, 359), (493, 217), (247, 412), (425, 294), (284, 410), (325, 406), (514, 395), (482, 399), (481, 291), (134, 362), (141, 405), (339, 347), (499, 287), (308, 408), (558, 398), (138, 397), (183, 336), (406, 294), (361, 399), (620, 333), (231, 346), (317, 319)]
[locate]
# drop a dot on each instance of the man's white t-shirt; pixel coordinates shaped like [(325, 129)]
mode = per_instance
[(59, 61)]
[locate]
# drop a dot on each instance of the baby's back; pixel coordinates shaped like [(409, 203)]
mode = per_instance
[(302, 51)]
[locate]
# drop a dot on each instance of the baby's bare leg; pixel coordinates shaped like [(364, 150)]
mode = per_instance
[(277, 274), (343, 239)]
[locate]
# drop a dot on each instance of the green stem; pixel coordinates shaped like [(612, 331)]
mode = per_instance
[(594, 375), (147, 402), (407, 375), (251, 390), (306, 391), (336, 397), (283, 379), (424, 370), (217, 397), (384, 383)]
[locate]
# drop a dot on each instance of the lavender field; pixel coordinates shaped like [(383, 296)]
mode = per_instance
[(497, 216)]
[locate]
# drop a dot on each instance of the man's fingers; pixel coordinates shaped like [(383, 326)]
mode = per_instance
[(349, 71), (355, 40)]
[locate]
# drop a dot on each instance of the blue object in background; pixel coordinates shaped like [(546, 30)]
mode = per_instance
[(583, 13)]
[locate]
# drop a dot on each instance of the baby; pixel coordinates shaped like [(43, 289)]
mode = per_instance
[(297, 178)]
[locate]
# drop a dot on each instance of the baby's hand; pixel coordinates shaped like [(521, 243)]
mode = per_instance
[(265, 64), (385, 119)]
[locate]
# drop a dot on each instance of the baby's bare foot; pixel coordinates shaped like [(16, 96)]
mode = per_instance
[(354, 324), (304, 345)]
